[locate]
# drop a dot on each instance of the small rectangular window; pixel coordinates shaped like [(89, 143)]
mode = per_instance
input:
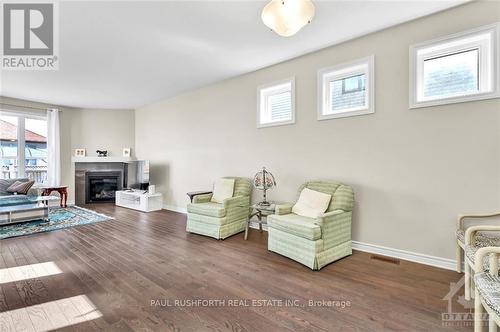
[(280, 106), (276, 103), (450, 75), (346, 90), (456, 68)]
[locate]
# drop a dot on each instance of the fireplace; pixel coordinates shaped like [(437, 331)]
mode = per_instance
[(100, 186)]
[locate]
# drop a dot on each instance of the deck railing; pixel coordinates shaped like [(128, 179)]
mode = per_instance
[(34, 173)]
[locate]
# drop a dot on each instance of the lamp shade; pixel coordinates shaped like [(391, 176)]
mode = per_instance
[(263, 180), (287, 17)]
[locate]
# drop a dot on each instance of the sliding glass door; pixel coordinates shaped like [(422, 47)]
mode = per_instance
[(23, 147), (9, 144)]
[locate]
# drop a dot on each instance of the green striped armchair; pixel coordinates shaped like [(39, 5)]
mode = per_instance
[(314, 242), (220, 220)]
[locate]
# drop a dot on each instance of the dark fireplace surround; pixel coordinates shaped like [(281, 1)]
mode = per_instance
[(102, 176), (100, 186)]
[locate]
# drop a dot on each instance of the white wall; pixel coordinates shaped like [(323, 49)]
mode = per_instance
[(412, 171), (91, 129), (98, 129)]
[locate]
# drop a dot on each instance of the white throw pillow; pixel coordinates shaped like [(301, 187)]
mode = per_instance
[(223, 189), (311, 203)]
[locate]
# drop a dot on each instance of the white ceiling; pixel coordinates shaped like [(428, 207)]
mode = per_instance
[(128, 54)]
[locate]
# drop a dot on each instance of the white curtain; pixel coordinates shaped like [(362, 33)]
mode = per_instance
[(53, 148)]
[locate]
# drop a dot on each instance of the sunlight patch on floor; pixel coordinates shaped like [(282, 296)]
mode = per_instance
[(52, 315), (31, 271)]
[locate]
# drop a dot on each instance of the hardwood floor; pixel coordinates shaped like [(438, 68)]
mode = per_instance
[(126, 274)]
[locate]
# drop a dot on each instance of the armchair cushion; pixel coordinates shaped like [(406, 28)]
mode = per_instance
[(489, 287), (6, 183), (481, 241), (481, 238), (223, 189), (342, 195), (311, 203), (210, 209), (297, 225), (20, 187)]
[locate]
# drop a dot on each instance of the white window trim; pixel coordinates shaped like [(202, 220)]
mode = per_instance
[(494, 29), (290, 80), (21, 139), (325, 75)]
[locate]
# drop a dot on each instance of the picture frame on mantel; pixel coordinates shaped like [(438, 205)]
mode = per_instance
[(126, 152), (80, 152)]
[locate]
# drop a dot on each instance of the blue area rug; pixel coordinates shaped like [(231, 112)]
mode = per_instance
[(59, 218)]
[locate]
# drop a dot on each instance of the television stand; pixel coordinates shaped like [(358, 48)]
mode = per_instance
[(138, 200)]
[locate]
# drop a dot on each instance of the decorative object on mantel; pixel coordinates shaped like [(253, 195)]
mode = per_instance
[(126, 152), (80, 152), (264, 180), (102, 153)]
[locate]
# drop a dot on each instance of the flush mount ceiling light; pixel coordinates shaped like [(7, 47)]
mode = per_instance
[(287, 17)]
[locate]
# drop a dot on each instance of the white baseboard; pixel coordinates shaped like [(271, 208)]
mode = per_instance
[(174, 208), (444, 263)]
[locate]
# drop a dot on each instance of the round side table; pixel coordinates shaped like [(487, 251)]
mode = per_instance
[(260, 211)]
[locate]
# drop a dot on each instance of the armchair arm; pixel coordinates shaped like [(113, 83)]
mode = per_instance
[(284, 208), (238, 201), (461, 218), (335, 227), (204, 198), (328, 216), (470, 233), (479, 257)]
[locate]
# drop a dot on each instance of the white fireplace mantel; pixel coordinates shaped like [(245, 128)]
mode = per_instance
[(101, 159)]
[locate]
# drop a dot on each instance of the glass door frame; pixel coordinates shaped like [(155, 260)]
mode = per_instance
[(21, 137)]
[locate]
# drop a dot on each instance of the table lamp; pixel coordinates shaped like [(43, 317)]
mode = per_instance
[(264, 180)]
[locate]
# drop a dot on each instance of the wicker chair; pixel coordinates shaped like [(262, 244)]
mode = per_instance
[(460, 234), (477, 237), (487, 292)]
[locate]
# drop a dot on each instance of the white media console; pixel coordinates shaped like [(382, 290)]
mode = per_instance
[(138, 200)]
